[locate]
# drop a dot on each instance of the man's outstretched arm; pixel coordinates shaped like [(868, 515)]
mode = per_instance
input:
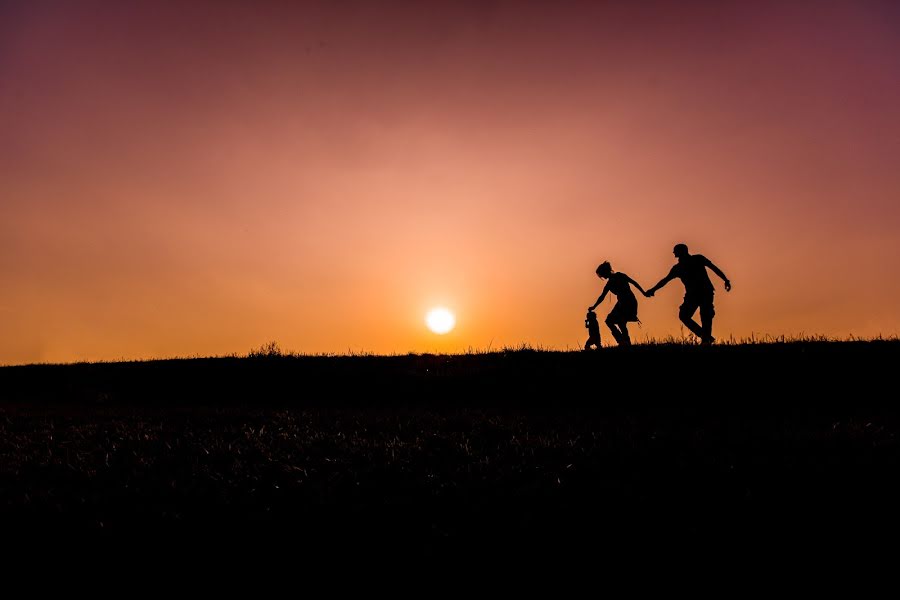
[(719, 272), (662, 283)]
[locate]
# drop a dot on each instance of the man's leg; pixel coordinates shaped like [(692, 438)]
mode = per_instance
[(707, 312), (686, 314)]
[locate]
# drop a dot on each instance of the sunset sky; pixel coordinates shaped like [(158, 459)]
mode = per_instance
[(199, 178)]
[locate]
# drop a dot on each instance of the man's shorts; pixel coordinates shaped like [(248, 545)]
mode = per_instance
[(692, 303)]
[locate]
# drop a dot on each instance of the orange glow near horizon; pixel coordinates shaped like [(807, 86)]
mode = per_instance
[(204, 177)]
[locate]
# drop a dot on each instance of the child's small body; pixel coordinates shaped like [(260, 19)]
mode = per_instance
[(593, 327)]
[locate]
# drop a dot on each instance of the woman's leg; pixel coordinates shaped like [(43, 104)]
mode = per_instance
[(614, 328)]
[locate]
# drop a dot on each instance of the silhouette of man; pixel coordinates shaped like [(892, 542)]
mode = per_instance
[(698, 291)]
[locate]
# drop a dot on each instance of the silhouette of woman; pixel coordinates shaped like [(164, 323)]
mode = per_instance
[(626, 306)]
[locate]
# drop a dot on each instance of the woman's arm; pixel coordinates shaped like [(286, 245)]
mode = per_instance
[(600, 299), (636, 284)]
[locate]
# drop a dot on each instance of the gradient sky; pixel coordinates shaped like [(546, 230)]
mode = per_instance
[(195, 178)]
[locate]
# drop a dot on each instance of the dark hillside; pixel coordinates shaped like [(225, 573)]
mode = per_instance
[(776, 444)]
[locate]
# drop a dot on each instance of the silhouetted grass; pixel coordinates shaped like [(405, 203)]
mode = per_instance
[(478, 453)]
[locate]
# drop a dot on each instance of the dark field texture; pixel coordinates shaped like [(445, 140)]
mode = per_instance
[(512, 452)]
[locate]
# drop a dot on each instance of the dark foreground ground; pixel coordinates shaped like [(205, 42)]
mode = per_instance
[(770, 445)]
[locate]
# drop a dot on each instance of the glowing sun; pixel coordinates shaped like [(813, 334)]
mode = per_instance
[(440, 320)]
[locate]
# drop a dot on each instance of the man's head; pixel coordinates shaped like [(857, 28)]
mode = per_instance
[(604, 270), (680, 251)]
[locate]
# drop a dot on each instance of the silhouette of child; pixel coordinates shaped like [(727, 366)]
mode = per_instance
[(593, 327)]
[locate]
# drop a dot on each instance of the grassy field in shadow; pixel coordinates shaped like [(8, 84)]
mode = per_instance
[(483, 453)]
